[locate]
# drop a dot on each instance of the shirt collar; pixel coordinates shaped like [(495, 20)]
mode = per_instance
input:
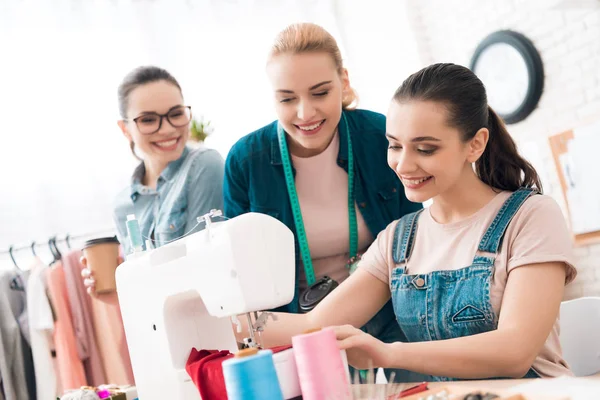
[(136, 181), (168, 174), (172, 168)]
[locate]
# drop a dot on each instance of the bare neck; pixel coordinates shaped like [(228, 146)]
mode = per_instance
[(462, 200), (297, 150), (153, 171)]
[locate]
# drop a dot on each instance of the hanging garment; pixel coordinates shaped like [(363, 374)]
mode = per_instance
[(81, 309), (41, 328), (72, 375), (17, 376), (110, 334)]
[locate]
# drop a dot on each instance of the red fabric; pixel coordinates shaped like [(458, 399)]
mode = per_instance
[(206, 370)]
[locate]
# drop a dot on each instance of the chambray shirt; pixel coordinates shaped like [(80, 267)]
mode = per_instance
[(189, 187), (255, 181)]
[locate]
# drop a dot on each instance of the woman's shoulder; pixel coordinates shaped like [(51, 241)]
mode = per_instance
[(205, 157), (254, 143), (539, 234), (540, 206), (257, 139), (366, 121), (540, 216)]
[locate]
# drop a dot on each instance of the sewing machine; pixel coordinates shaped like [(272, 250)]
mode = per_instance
[(187, 293)]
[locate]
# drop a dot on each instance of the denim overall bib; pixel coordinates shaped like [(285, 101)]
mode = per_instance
[(451, 303)]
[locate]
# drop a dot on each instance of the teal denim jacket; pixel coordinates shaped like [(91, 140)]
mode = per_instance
[(254, 178)]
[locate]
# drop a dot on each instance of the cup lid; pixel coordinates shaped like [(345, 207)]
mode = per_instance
[(100, 240)]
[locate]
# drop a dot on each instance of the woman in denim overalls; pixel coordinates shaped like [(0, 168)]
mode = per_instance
[(448, 145)]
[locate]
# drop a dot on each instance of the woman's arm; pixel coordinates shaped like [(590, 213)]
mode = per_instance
[(530, 307), (354, 302), (235, 187)]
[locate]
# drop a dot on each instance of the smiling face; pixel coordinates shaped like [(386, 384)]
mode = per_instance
[(427, 154), (159, 97), (308, 92)]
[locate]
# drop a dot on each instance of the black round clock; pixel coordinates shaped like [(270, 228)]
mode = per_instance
[(512, 71)]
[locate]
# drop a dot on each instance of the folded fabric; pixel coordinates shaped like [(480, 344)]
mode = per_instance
[(206, 370), (102, 392)]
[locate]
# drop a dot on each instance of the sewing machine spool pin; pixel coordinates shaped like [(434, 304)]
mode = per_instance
[(207, 218)]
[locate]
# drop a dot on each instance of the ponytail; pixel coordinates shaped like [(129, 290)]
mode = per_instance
[(500, 165), (460, 90)]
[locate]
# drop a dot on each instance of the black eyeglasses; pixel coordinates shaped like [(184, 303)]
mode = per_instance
[(151, 122)]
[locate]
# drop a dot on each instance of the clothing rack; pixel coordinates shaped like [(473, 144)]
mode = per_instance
[(66, 239)]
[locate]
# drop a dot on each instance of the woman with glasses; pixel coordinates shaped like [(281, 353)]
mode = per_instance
[(173, 184)]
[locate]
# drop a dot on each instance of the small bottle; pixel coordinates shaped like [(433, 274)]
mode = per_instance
[(135, 236)]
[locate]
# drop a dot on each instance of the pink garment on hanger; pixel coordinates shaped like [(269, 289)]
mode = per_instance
[(110, 335), (83, 325), (72, 375)]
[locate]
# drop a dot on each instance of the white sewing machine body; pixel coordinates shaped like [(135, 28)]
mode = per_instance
[(183, 294)]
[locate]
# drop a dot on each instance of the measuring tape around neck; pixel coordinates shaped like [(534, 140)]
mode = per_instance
[(297, 212)]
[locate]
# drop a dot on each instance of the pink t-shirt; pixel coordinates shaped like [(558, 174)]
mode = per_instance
[(112, 343), (537, 234), (72, 374), (322, 188)]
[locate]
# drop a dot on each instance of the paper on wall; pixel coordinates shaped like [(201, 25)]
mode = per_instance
[(581, 169)]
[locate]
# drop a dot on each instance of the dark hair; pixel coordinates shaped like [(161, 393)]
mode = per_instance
[(460, 90), (136, 78)]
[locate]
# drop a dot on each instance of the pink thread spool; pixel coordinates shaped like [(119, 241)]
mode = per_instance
[(322, 372)]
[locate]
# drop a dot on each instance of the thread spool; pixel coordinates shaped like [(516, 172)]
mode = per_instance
[(287, 373), (135, 235), (322, 372), (251, 375)]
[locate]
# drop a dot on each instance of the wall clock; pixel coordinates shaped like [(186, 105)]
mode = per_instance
[(512, 71)]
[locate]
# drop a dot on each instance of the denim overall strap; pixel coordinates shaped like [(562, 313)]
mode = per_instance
[(404, 237), (492, 239)]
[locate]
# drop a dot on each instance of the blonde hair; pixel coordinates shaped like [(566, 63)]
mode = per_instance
[(312, 38)]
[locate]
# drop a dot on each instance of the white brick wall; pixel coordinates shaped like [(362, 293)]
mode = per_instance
[(569, 42)]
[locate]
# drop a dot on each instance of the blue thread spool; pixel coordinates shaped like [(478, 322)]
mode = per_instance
[(251, 375), (135, 235)]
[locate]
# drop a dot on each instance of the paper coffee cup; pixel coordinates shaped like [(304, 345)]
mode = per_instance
[(102, 256)]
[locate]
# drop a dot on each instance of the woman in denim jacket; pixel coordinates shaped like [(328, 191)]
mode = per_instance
[(476, 279), (173, 184), (319, 148)]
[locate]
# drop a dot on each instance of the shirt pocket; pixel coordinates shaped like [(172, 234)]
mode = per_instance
[(171, 225), (410, 305), (388, 191), (466, 306), (388, 196)]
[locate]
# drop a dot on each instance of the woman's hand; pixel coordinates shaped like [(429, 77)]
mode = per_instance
[(88, 277), (362, 349)]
